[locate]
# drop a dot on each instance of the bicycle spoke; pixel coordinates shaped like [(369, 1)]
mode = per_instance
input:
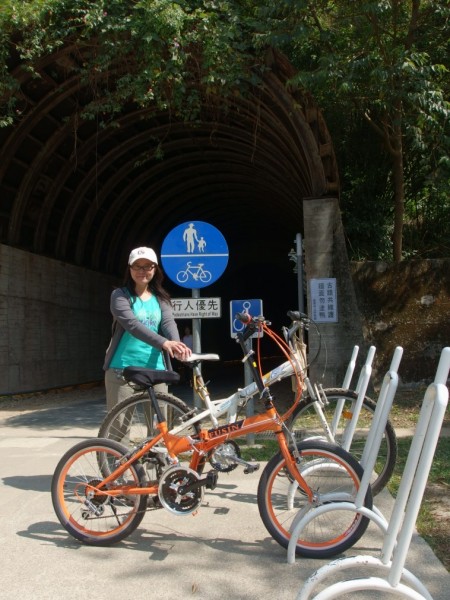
[(88, 512)]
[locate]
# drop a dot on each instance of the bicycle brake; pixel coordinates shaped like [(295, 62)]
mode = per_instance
[(323, 400)]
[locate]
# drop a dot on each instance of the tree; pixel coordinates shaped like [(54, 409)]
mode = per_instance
[(164, 53), (386, 60)]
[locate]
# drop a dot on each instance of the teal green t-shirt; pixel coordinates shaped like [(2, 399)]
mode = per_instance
[(131, 352)]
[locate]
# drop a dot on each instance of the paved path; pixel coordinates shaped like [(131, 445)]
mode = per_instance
[(222, 552)]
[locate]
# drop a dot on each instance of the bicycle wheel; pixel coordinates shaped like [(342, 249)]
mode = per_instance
[(335, 476), (133, 420), (182, 276), (205, 276), (305, 424), (94, 518)]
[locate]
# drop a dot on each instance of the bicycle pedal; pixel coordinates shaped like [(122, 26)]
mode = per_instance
[(211, 478), (251, 468)]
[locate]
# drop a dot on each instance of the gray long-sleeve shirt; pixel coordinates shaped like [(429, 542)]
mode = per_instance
[(125, 320)]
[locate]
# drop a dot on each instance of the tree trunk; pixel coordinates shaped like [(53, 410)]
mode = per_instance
[(399, 194), (399, 209), (393, 141)]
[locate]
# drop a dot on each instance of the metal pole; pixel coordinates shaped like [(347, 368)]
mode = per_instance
[(196, 344), (299, 249)]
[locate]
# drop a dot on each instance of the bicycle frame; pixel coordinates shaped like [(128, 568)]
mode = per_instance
[(207, 441), (296, 363), (228, 406)]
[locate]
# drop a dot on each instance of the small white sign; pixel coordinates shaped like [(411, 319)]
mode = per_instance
[(197, 308), (324, 300)]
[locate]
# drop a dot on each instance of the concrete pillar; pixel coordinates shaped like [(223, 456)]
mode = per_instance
[(326, 256)]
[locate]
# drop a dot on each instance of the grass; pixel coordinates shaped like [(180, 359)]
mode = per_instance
[(433, 522)]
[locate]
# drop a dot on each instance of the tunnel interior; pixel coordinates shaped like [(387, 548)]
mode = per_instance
[(86, 191)]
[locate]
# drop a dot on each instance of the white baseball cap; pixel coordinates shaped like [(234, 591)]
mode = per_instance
[(142, 252)]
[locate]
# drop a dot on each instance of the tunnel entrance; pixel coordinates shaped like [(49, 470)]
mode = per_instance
[(84, 192)]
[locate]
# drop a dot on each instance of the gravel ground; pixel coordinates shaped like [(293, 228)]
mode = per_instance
[(18, 403)]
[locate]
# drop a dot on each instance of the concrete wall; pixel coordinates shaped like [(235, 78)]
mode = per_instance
[(54, 322), (385, 305), (326, 256)]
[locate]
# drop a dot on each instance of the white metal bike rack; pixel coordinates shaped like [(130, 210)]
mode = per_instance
[(398, 532), (350, 368), (361, 388), (363, 382), (368, 459)]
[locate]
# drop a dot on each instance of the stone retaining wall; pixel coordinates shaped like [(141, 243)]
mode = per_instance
[(405, 304)]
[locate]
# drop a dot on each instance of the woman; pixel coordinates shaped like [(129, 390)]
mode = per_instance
[(143, 325)]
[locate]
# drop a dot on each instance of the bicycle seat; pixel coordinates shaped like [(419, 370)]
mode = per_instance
[(199, 357), (148, 377)]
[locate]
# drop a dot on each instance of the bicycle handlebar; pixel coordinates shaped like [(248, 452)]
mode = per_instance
[(244, 318), (247, 319), (251, 325), (296, 315)]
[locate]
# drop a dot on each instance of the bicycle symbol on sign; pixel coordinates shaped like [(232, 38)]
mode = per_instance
[(197, 272)]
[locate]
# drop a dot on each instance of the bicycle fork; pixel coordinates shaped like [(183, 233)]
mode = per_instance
[(319, 401), (293, 462)]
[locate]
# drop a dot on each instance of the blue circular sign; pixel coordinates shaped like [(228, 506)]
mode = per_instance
[(194, 254)]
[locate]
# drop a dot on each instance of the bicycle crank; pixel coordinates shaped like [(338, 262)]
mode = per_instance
[(227, 457), (181, 489), (223, 458)]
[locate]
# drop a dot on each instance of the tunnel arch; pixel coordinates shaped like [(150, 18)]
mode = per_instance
[(84, 191)]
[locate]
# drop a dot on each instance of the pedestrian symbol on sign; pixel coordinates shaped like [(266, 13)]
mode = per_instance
[(190, 236)]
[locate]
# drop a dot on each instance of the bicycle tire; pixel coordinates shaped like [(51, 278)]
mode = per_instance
[(117, 516), (182, 276), (205, 277), (132, 420), (327, 469), (305, 423)]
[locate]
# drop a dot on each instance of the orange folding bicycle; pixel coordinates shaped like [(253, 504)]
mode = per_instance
[(101, 490)]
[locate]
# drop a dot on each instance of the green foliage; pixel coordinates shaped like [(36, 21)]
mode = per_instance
[(146, 51), (382, 64), (387, 63)]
